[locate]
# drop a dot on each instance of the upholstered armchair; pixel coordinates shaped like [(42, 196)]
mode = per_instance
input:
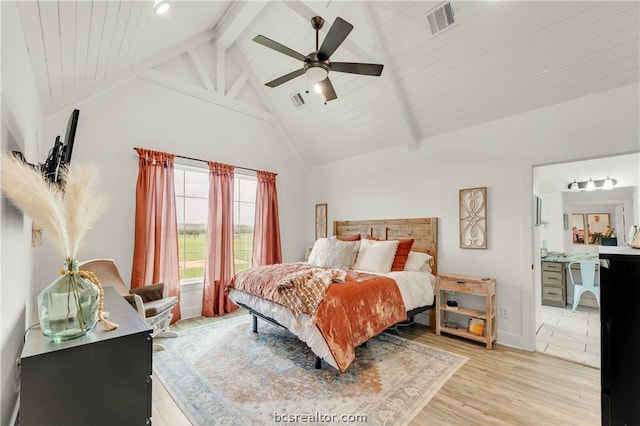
[(151, 302)]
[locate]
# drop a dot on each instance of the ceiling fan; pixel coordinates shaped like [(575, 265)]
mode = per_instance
[(316, 65)]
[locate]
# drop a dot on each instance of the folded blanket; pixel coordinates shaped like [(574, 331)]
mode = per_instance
[(303, 291)]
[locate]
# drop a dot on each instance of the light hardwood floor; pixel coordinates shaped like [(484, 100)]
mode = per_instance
[(503, 386)]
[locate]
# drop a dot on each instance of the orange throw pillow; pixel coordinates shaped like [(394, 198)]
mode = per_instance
[(354, 237), (402, 254)]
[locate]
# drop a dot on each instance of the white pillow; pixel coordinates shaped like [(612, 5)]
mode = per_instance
[(318, 251), (376, 256), (417, 261), (334, 253)]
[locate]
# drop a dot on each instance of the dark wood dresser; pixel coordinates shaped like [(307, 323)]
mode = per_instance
[(620, 335), (102, 378)]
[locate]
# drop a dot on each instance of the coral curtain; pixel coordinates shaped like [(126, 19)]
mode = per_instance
[(266, 232), (155, 249), (219, 267)]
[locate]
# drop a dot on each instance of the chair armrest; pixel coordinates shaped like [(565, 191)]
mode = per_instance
[(150, 292), (136, 303)]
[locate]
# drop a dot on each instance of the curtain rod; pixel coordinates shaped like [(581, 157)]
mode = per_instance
[(205, 161)]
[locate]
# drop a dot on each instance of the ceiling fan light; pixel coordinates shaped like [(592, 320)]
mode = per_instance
[(317, 88), (574, 187), (608, 184), (591, 186), (317, 73), (161, 6)]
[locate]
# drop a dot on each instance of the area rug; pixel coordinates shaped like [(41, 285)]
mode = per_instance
[(222, 373)]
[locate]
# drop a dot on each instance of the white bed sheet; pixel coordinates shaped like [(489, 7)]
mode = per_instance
[(416, 289)]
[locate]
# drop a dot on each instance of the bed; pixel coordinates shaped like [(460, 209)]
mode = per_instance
[(362, 303)]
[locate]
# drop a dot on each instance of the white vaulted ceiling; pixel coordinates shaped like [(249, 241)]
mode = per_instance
[(76, 43), (500, 58)]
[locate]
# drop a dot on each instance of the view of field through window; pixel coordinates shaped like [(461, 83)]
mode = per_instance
[(192, 190)]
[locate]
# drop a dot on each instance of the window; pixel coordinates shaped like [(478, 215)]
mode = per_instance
[(192, 191), (192, 203), (244, 212)]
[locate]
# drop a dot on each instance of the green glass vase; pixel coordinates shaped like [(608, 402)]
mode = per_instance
[(68, 307)]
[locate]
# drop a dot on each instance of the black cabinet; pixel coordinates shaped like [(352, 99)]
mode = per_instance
[(620, 335), (102, 378)]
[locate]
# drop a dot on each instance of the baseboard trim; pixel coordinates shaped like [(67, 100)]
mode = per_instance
[(190, 312), (511, 340)]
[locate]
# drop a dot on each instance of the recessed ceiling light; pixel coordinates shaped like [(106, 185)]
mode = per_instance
[(161, 6)]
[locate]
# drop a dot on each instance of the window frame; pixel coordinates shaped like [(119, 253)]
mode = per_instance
[(250, 176)]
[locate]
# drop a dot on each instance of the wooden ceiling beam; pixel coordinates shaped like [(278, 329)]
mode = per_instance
[(394, 97), (237, 20), (187, 89), (276, 116)]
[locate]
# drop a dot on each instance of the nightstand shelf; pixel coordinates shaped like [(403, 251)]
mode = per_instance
[(464, 311), (462, 332), (466, 284)]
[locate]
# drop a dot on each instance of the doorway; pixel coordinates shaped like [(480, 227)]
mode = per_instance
[(560, 331)]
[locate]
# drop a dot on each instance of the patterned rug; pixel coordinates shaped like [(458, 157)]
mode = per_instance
[(222, 373)]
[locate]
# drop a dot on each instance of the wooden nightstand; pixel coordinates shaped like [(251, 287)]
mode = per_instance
[(483, 287)]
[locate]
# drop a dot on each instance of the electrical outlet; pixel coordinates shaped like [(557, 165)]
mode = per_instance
[(504, 313)]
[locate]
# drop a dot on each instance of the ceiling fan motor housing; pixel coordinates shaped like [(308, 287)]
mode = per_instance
[(317, 22)]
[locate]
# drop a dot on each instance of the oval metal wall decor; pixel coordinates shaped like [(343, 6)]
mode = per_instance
[(473, 218)]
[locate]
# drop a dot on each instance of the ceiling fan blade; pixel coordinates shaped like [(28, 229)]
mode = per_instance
[(336, 35), (357, 68), (280, 80), (260, 39), (328, 92)]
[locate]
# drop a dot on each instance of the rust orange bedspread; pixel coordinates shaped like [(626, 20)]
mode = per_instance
[(351, 312)]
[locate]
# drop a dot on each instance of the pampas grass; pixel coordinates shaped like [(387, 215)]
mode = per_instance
[(65, 216), (81, 204)]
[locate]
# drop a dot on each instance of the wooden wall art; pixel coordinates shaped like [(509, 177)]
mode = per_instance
[(473, 218), (321, 221)]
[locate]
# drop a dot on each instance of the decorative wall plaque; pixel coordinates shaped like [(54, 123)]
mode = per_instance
[(473, 218), (321, 221)]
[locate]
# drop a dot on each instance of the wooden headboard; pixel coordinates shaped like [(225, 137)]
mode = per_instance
[(423, 230)]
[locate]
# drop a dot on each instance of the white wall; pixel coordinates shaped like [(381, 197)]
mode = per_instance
[(141, 114), (636, 204), (500, 155), (19, 130), (553, 223)]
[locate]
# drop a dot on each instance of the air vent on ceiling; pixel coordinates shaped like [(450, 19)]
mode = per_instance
[(440, 17), (297, 100)]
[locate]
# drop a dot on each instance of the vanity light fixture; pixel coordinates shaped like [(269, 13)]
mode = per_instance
[(608, 184), (161, 6), (592, 185), (574, 186)]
